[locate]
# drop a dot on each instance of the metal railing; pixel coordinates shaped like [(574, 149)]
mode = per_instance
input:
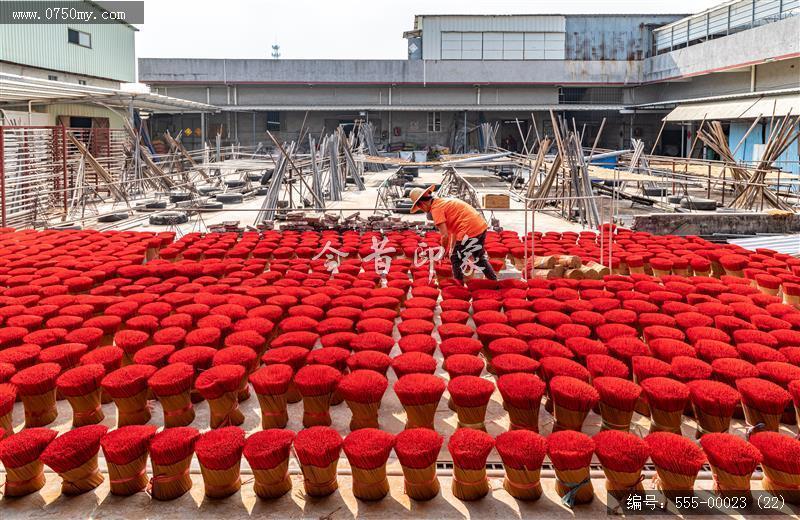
[(721, 21)]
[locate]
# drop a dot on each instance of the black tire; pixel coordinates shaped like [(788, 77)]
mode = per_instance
[(234, 183), (180, 196), (158, 204), (675, 199), (207, 190), (169, 218), (113, 217), (261, 191), (211, 206), (699, 204), (230, 198)]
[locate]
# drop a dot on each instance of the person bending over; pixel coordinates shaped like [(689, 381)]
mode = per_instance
[(462, 228)]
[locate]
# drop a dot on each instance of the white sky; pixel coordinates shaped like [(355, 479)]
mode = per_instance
[(334, 29)]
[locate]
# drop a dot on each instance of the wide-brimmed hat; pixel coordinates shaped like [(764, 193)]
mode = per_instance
[(418, 193)]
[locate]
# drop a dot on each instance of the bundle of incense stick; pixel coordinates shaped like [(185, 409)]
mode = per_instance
[(470, 448), (243, 356), (420, 395), (317, 449), (171, 453), (763, 402), (199, 358), (513, 363), (571, 453), (317, 384), (295, 357), (171, 385), (522, 396), (573, 399), (363, 391), (130, 341), (267, 452), (220, 453), (732, 461), (413, 363), (20, 454), (271, 385), (417, 450), (8, 394), (618, 398), (622, 456), (463, 365), (522, 452), (667, 400), (125, 450), (781, 464), (371, 360), (470, 395), (81, 387), (713, 404), (36, 387), (367, 450), (73, 456), (110, 358), (127, 386), (219, 386), (645, 367), (677, 461)]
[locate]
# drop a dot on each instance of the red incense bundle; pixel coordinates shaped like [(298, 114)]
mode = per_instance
[(370, 360), (419, 394), (732, 461), (677, 461), (171, 453), (20, 454), (417, 450), (171, 385), (780, 463), (714, 404), (794, 390), (622, 456), (763, 402), (127, 386), (511, 363), (271, 385), (267, 452), (618, 398), (470, 395), (316, 384), (125, 450), (36, 387), (522, 453), (453, 346), (317, 450), (522, 396), (367, 450), (463, 365), (73, 455), (8, 394), (81, 387), (571, 453), (601, 365), (573, 399), (295, 357), (220, 386), (363, 391), (130, 341), (667, 399), (424, 343), (469, 449), (242, 356), (220, 454), (413, 363)]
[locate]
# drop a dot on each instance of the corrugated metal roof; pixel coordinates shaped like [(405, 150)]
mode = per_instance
[(737, 109), (787, 244), (423, 108), (19, 90)]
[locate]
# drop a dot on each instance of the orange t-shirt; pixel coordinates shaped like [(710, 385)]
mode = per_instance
[(461, 219)]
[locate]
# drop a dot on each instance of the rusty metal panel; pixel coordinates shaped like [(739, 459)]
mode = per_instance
[(613, 37)]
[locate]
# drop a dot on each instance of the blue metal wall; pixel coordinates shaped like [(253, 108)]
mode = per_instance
[(787, 162), (612, 37)]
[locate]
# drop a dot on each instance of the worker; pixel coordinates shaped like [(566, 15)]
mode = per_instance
[(462, 227)]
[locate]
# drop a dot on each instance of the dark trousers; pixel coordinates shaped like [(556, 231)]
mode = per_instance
[(471, 247)]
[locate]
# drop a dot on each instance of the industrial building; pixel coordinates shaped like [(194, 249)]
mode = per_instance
[(462, 71)]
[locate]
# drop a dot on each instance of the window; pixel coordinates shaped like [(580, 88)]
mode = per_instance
[(434, 121), (52, 77), (502, 45), (81, 82), (274, 121), (81, 38)]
